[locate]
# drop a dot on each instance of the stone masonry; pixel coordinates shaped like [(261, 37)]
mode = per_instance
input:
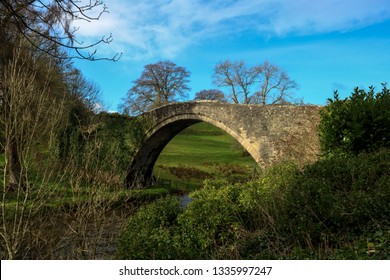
[(269, 133)]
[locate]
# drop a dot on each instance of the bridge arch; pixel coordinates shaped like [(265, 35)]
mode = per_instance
[(269, 133), (161, 134)]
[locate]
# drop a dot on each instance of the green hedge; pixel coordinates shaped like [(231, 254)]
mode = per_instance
[(358, 123)]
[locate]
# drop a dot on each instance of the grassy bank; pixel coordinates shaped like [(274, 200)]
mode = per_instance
[(201, 152)]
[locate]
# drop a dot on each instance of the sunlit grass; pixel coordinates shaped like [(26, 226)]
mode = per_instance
[(203, 149)]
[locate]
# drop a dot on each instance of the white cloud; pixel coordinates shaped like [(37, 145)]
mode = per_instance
[(161, 28), (308, 17)]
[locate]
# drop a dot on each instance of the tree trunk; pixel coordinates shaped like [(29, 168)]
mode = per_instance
[(14, 166)]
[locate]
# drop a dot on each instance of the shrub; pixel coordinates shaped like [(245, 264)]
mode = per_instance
[(150, 232), (210, 222), (358, 123), (104, 139), (326, 210), (339, 196)]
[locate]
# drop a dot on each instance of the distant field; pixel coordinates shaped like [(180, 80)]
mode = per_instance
[(199, 152)]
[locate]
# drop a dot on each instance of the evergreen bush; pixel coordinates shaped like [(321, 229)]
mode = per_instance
[(150, 231), (358, 123)]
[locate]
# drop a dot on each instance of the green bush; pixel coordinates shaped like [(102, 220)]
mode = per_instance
[(106, 142), (215, 223), (358, 123), (342, 195), (326, 210), (210, 222), (150, 232)]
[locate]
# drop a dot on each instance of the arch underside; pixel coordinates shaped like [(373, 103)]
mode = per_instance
[(141, 170)]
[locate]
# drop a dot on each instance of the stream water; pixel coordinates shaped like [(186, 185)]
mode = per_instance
[(184, 200)]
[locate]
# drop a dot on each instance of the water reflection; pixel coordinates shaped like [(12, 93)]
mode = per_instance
[(184, 200)]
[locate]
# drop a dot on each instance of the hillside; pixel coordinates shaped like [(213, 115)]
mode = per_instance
[(203, 151)]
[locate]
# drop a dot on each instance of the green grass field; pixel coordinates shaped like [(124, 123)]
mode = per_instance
[(200, 152)]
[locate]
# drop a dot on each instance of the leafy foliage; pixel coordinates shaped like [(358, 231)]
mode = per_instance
[(149, 233), (103, 139), (358, 123), (324, 211), (340, 196)]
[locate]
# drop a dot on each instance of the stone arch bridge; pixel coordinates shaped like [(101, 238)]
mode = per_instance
[(269, 133)]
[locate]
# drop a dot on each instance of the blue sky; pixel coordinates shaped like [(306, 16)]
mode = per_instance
[(323, 45)]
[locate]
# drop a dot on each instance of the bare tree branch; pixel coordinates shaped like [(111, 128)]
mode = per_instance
[(160, 83), (210, 94), (274, 84), (51, 21)]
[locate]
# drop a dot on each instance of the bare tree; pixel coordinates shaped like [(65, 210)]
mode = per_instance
[(32, 121), (210, 94), (83, 90), (224, 77), (42, 29), (47, 25), (30, 112), (274, 84), (237, 77), (160, 83)]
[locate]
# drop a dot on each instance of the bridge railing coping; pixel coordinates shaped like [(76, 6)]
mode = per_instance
[(225, 103)]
